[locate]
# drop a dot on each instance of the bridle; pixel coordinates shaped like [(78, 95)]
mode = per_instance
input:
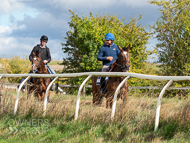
[(33, 65), (124, 67)]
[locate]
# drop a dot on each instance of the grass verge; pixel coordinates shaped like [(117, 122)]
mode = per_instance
[(132, 123)]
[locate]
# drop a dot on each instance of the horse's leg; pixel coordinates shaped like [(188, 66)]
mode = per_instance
[(39, 96), (43, 96), (109, 102), (111, 86), (45, 85), (97, 98), (125, 94), (29, 89)]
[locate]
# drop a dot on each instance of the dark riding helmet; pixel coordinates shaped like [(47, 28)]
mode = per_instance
[(109, 36), (44, 38)]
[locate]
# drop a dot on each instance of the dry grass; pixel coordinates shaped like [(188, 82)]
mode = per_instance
[(133, 123)]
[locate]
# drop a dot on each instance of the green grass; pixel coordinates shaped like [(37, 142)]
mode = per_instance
[(153, 66), (132, 123), (55, 63)]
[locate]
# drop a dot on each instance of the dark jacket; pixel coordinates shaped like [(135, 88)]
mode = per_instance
[(106, 51), (36, 51)]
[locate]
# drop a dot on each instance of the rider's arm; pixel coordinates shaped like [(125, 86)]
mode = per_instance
[(48, 55), (100, 55), (118, 51)]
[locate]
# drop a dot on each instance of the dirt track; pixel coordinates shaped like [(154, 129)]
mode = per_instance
[(57, 67)]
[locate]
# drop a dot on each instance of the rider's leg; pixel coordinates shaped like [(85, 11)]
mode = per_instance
[(51, 71), (105, 68)]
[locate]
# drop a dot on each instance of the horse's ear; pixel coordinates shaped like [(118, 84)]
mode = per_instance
[(128, 47), (39, 54), (33, 53), (120, 48)]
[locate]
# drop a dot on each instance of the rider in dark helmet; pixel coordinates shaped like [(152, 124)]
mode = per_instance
[(107, 54), (43, 49), (45, 55)]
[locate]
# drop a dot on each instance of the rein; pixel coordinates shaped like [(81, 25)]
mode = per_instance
[(121, 65), (125, 66)]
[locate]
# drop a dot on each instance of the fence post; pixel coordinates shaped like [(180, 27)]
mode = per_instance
[(115, 96), (47, 90), (78, 96), (17, 97), (159, 104)]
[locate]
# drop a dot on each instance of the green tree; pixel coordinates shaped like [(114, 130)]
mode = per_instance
[(172, 31), (86, 36)]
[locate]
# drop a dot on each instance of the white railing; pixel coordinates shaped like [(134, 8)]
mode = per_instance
[(128, 75)]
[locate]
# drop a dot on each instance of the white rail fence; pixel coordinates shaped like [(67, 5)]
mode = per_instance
[(128, 75)]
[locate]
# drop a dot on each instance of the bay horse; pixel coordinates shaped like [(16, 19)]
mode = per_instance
[(121, 65), (40, 84)]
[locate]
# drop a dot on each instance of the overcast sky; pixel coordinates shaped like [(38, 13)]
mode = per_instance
[(23, 22)]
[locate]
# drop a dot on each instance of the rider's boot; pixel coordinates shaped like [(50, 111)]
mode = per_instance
[(51, 88), (102, 86)]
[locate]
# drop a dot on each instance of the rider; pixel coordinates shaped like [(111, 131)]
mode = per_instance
[(45, 56), (108, 54), (45, 53)]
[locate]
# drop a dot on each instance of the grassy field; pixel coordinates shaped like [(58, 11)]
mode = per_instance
[(132, 123)]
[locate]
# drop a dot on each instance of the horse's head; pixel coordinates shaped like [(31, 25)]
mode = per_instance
[(36, 61), (123, 59)]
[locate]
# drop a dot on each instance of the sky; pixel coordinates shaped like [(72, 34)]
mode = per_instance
[(23, 22)]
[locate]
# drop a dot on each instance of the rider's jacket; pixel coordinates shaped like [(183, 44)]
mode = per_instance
[(45, 53), (106, 51)]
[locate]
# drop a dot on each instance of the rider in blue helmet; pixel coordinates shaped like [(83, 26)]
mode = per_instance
[(107, 54), (109, 36)]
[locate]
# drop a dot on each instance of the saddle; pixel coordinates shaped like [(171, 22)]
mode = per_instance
[(102, 81)]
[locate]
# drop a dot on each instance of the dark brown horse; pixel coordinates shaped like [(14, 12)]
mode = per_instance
[(40, 84), (121, 65)]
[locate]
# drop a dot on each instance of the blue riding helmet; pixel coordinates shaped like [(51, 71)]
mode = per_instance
[(109, 36)]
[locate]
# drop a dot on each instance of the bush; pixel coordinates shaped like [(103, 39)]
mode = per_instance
[(15, 65)]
